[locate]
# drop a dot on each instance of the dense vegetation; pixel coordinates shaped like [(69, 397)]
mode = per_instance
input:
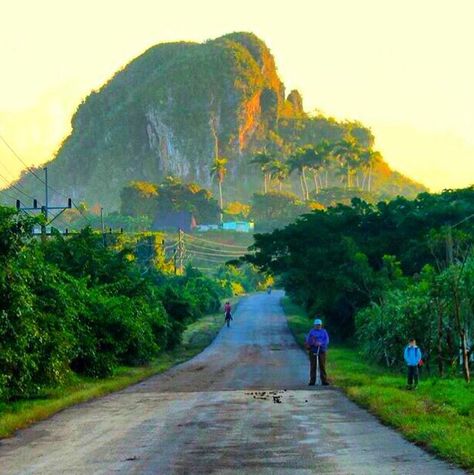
[(384, 273), (178, 107), (437, 416), (350, 160), (151, 200), (71, 304)]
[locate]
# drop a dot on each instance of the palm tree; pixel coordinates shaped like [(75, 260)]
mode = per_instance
[(348, 151), (219, 170), (263, 159), (368, 158), (317, 158), (300, 161), (278, 171), (325, 151)]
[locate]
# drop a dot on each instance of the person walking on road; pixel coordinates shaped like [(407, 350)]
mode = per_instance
[(412, 356), (228, 313), (316, 343)]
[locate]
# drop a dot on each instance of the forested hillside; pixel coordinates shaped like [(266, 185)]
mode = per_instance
[(178, 107)]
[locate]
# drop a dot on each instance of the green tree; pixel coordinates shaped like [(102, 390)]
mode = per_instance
[(340, 260), (278, 171), (219, 170), (138, 198), (299, 162), (275, 209), (263, 160), (347, 151), (368, 158)]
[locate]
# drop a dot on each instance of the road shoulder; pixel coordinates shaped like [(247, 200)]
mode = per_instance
[(21, 414), (426, 418)]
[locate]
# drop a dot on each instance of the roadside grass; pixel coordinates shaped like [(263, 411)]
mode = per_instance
[(20, 414), (438, 416)]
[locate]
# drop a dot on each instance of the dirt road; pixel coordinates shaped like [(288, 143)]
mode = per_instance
[(241, 406)]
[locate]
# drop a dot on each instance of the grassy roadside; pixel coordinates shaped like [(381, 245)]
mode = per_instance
[(438, 416), (20, 414)]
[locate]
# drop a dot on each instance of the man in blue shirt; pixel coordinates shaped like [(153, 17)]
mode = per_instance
[(317, 343), (412, 356)]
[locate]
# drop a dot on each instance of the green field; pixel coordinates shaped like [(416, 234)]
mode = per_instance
[(438, 416), (21, 414)]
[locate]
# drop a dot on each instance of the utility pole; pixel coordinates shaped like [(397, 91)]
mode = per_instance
[(104, 239), (46, 195), (45, 209), (179, 254)]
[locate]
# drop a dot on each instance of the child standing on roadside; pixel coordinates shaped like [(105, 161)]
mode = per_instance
[(412, 356)]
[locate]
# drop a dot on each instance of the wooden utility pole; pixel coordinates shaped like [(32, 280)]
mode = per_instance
[(179, 253)]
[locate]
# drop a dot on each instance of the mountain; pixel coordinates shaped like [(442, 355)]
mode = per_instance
[(174, 108)]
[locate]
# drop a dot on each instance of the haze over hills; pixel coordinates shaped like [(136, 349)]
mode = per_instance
[(176, 107)]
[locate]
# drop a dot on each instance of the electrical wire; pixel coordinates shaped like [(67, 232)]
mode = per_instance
[(214, 251), (31, 170), (19, 158), (208, 250), (463, 220), (213, 242), (6, 194), (214, 254), (216, 260), (16, 188)]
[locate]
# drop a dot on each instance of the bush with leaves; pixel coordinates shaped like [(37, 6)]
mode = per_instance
[(36, 312), (72, 304)]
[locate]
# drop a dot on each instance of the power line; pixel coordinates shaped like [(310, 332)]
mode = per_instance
[(214, 242), (19, 158), (15, 187), (7, 170), (216, 259), (168, 248), (213, 254), (44, 182), (214, 250), (4, 192), (463, 220), (6, 195)]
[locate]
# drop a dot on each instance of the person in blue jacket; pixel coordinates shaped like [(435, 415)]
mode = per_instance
[(316, 343), (412, 356)]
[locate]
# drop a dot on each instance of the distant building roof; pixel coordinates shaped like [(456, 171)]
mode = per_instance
[(173, 220)]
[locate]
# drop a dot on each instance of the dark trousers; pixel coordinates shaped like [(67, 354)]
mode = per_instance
[(412, 375), (322, 367)]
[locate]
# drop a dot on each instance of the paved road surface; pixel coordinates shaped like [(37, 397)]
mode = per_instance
[(219, 413)]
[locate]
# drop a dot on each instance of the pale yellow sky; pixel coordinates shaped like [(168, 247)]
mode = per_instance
[(402, 67)]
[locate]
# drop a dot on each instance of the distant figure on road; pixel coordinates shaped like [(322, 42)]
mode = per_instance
[(412, 356), (227, 313), (317, 343), (269, 289)]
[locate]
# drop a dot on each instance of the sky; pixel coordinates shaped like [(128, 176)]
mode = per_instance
[(402, 67)]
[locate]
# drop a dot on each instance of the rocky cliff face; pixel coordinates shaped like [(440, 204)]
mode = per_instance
[(172, 110)]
